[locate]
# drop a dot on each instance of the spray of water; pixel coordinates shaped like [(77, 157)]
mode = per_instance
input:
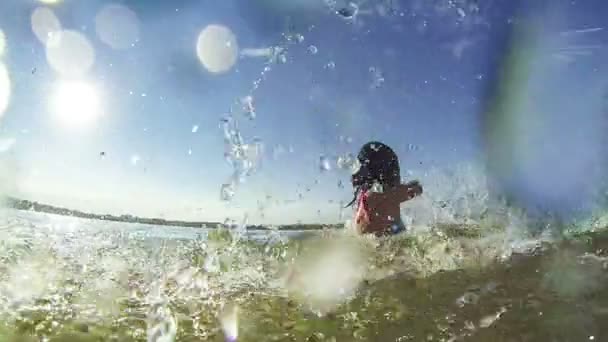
[(61, 272)]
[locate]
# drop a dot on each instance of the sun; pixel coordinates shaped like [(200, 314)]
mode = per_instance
[(76, 103)]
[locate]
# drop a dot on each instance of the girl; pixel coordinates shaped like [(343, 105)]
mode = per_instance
[(379, 191)]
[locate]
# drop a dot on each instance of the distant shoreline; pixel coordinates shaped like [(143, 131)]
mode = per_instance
[(26, 205)]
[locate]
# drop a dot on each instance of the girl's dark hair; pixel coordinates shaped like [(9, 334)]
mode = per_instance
[(379, 164)]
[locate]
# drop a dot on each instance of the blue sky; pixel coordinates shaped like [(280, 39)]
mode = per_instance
[(436, 60)]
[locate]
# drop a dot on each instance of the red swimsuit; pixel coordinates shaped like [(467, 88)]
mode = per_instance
[(362, 215), (379, 213)]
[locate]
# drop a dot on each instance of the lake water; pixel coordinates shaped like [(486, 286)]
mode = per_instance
[(67, 279)]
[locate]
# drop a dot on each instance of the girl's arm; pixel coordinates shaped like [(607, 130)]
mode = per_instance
[(362, 215), (407, 191)]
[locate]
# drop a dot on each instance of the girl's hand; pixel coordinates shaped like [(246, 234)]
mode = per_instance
[(407, 191), (414, 188)]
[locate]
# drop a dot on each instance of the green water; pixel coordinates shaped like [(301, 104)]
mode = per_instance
[(449, 285)]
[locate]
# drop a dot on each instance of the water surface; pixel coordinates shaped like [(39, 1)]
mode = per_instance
[(67, 279)]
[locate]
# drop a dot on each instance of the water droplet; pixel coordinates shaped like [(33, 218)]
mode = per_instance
[(324, 164), (256, 84), (278, 54), (331, 65), (247, 106), (346, 162), (313, 49), (299, 38), (161, 323), (194, 128), (348, 12), (377, 77), (227, 191)]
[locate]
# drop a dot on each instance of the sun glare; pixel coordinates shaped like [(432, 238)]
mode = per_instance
[(76, 103), (5, 88), (217, 48), (2, 43)]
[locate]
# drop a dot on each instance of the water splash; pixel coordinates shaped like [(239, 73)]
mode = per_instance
[(348, 162), (143, 280), (348, 12), (324, 163), (227, 191), (331, 65), (456, 195), (162, 326), (248, 108), (243, 157), (377, 77)]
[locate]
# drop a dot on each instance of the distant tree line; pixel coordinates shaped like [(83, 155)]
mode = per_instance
[(27, 205)]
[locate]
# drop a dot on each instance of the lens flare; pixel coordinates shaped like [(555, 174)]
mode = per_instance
[(44, 24), (5, 89), (545, 149), (76, 103), (229, 321), (258, 52), (70, 53), (308, 279), (217, 48), (117, 26), (2, 43)]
